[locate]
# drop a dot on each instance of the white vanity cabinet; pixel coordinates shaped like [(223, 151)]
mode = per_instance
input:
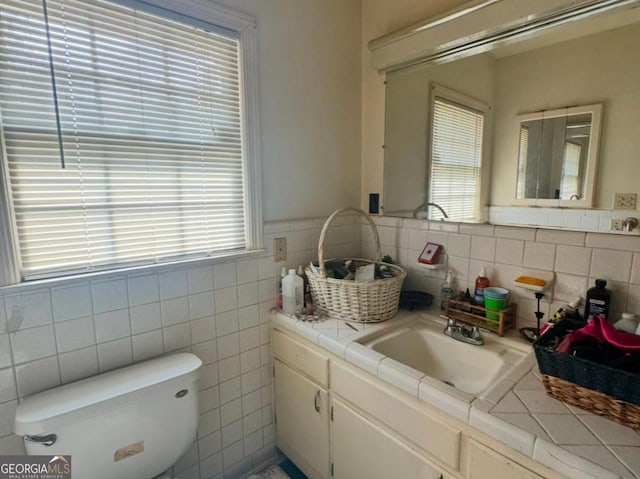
[(483, 462), (301, 399), (336, 421), (362, 449)]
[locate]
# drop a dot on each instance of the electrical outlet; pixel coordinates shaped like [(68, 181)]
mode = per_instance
[(280, 249), (625, 201), (615, 225)]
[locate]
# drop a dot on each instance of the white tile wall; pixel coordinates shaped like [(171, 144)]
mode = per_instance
[(574, 218), (577, 258), (70, 330), (51, 335)]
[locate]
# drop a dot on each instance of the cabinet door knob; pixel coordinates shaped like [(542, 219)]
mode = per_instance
[(316, 401)]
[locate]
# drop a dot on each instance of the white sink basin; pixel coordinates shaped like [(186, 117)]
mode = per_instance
[(422, 345)]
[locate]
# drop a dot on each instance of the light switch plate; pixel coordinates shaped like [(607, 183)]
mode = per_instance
[(625, 201)]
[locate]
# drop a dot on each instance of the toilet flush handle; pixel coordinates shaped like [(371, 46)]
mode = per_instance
[(48, 440)]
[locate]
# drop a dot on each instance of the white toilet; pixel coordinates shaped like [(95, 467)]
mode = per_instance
[(130, 423)]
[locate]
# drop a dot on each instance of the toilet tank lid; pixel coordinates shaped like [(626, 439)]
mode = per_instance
[(86, 392)]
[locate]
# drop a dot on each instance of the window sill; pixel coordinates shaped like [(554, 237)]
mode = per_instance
[(133, 270)]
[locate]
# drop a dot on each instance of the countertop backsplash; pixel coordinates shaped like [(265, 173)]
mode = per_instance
[(577, 258)]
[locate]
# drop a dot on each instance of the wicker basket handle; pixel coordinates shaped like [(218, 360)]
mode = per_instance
[(325, 229)]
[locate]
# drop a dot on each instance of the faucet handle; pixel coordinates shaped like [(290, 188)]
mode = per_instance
[(476, 335), (451, 323)]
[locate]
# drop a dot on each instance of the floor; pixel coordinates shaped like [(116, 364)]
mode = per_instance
[(292, 471), (285, 470)]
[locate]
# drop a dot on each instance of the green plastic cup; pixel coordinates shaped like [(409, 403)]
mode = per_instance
[(493, 304)]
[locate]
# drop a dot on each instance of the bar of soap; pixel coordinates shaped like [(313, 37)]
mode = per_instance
[(531, 281)]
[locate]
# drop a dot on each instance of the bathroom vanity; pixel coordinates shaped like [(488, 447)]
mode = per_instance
[(347, 405)]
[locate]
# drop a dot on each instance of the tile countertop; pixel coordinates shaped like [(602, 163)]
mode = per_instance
[(515, 410)]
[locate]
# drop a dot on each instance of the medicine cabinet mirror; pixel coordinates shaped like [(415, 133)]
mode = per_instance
[(557, 156)]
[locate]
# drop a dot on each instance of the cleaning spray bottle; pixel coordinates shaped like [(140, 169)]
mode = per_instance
[(448, 290)]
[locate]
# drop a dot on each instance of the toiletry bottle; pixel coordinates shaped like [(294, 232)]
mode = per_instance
[(448, 290), (292, 286), (598, 301), (305, 283), (627, 323), (481, 282), (466, 301), (308, 303), (283, 273)]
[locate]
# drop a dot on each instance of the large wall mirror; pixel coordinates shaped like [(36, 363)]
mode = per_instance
[(592, 63)]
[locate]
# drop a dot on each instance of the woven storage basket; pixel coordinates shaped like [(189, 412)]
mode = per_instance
[(609, 392), (363, 302)]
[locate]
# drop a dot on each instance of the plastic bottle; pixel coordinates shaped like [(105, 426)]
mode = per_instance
[(292, 293), (627, 323), (283, 273), (448, 290), (481, 282), (598, 301), (305, 284)]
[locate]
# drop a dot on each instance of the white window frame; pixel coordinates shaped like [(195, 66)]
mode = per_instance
[(465, 101), (245, 28)]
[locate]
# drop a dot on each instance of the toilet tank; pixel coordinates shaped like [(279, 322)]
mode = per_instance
[(130, 423)]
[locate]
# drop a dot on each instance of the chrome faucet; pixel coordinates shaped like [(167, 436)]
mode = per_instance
[(463, 333), (425, 206)]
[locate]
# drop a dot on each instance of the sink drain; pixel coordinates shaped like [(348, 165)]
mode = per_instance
[(449, 383)]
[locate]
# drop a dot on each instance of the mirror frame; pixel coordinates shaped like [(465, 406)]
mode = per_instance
[(592, 157)]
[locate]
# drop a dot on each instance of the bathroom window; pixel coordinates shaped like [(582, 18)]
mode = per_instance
[(128, 134), (457, 131), (570, 182)]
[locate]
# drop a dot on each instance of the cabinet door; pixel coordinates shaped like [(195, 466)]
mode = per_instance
[(302, 421), (484, 462), (363, 450)]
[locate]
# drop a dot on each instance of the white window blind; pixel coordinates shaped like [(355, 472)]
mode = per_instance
[(151, 129), (570, 182), (456, 158), (523, 151)]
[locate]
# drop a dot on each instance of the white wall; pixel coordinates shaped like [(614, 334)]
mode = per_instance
[(309, 77)]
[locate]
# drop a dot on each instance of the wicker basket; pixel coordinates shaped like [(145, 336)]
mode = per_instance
[(593, 401), (363, 302), (609, 392)]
